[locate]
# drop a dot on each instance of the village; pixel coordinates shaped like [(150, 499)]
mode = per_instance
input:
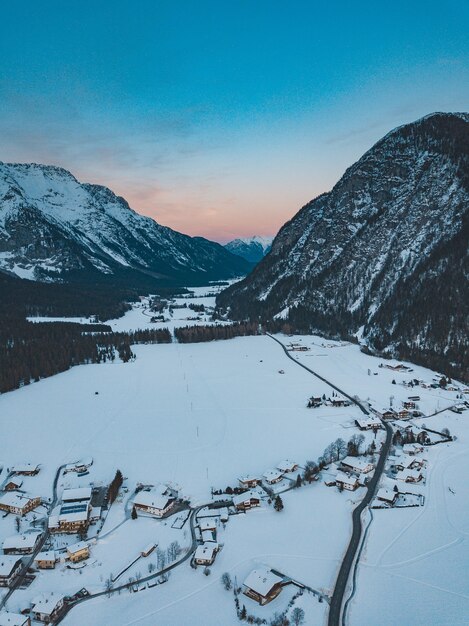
[(155, 519), (65, 532)]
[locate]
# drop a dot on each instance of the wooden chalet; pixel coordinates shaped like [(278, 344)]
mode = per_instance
[(262, 585), (21, 544), (248, 482), (18, 503), (10, 567), (205, 554), (46, 607), (246, 501)]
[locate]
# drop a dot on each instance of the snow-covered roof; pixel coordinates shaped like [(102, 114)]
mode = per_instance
[(245, 497), (77, 547), (207, 523), (386, 494), (412, 448), (208, 535), (46, 602), (7, 564), (206, 551), (262, 580), (152, 499), (18, 500), (365, 421), (286, 465), (24, 467), (14, 481), (272, 474), (346, 479), (356, 463), (80, 493), (48, 555), (248, 478), (406, 474), (23, 542), (12, 619)]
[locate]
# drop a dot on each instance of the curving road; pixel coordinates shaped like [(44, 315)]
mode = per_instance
[(348, 560), (340, 587)]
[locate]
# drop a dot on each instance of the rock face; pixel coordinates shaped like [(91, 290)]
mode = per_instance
[(253, 249), (54, 228), (384, 255)]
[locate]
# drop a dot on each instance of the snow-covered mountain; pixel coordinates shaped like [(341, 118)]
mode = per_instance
[(384, 254), (253, 249), (53, 227)]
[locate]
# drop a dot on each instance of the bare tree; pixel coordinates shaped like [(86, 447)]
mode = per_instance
[(298, 616), (160, 559), (108, 586), (226, 581)]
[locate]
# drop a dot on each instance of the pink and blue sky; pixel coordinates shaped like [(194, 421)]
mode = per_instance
[(221, 118)]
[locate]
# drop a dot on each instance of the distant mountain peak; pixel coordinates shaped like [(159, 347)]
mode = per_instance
[(253, 249)]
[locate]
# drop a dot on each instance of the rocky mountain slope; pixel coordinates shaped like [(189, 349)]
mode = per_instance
[(384, 255), (253, 249), (53, 227)]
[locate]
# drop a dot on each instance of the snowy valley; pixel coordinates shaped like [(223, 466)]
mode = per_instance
[(239, 478)]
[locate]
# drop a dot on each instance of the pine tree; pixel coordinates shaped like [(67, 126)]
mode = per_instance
[(278, 504)]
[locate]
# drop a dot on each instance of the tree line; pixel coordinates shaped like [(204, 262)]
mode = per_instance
[(30, 351), (198, 334)]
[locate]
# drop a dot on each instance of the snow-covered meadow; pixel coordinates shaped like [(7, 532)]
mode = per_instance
[(199, 416)]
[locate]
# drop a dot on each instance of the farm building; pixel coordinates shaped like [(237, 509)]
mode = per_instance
[(21, 544), (356, 465), (154, 503), (246, 501), (10, 567), (78, 552), (25, 469), (206, 553), (13, 484), (262, 585), (287, 466), (368, 423), (345, 481), (46, 560), (46, 607), (14, 619), (18, 503), (272, 476)]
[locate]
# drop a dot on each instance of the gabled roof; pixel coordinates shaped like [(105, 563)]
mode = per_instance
[(12, 619), (346, 479), (24, 542), (245, 497), (262, 580), (8, 564), (152, 500), (206, 551), (80, 493), (77, 547), (12, 499), (46, 602)]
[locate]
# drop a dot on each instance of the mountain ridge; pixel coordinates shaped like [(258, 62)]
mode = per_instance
[(360, 258), (53, 227)]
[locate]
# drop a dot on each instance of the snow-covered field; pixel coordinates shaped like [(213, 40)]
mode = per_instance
[(198, 416)]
